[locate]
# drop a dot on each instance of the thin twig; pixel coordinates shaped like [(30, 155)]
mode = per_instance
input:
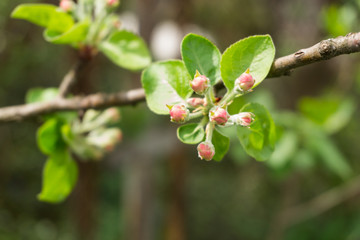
[(323, 50), (71, 77), (323, 202)]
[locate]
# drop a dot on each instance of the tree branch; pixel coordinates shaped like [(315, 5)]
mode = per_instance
[(323, 50), (99, 100)]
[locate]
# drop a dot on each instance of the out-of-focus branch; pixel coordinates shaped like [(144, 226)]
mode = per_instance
[(323, 50), (99, 100), (323, 202)]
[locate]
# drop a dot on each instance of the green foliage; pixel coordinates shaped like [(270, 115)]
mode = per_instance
[(166, 83), (126, 50), (77, 33), (330, 112), (340, 20), (41, 94), (258, 140), (305, 136), (200, 54), (323, 147), (221, 144), (255, 53), (286, 148), (44, 15), (192, 133), (59, 179), (80, 27), (49, 137)]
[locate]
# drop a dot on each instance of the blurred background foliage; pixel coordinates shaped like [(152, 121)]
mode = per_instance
[(153, 186)]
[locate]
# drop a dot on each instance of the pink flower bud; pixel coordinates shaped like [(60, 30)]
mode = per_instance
[(66, 5), (244, 119), (178, 113), (219, 115), (196, 102), (112, 3), (200, 83), (245, 82), (206, 150)]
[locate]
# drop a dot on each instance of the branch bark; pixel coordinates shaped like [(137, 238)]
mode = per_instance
[(99, 100), (323, 50)]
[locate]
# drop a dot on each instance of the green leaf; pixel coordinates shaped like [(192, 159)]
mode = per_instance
[(221, 144), (41, 95), (58, 180), (126, 50), (286, 148), (331, 112), (258, 140), (44, 15), (200, 54), (49, 137), (75, 34), (256, 53), (192, 133), (166, 83), (338, 20), (322, 145)]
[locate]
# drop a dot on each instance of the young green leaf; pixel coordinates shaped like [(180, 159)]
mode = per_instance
[(320, 144), (49, 137), (258, 140), (192, 133), (44, 15), (41, 94), (200, 54), (126, 50), (166, 83), (75, 34), (221, 144), (58, 180), (256, 53)]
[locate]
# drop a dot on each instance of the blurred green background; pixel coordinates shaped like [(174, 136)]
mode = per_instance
[(153, 186)]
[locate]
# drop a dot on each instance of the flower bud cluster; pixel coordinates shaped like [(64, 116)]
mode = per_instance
[(213, 110), (92, 137)]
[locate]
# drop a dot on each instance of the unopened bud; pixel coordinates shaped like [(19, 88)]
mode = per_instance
[(112, 114), (196, 102), (66, 5), (112, 3), (244, 119), (245, 82), (200, 83), (178, 113), (105, 138), (206, 150), (219, 115)]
